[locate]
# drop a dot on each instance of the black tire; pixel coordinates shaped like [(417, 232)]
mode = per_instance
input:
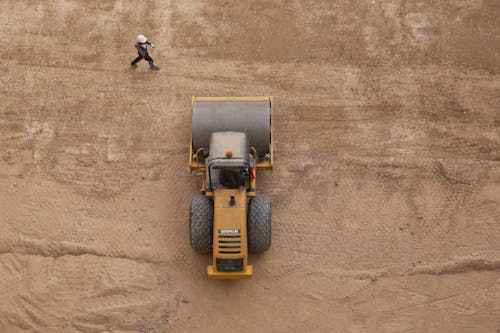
[(201, 223), (259, 224)]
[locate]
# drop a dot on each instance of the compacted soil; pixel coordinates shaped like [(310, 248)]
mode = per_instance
[(385, 191)]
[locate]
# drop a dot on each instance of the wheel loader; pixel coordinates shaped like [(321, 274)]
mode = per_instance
[(231, 139)]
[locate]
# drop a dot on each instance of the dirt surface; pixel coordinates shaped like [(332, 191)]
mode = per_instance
[(386, 188)]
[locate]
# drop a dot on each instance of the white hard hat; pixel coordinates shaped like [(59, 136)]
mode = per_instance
[(141, 39)]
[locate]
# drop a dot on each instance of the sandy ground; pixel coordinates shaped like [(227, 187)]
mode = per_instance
[(386, 188)]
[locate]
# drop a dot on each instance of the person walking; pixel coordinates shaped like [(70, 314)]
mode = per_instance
[(142, 48)]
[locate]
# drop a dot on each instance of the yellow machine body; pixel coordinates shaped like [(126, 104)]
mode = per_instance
[(230, 205)]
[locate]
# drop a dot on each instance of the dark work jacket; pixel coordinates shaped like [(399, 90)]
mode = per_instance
[(142, 51)]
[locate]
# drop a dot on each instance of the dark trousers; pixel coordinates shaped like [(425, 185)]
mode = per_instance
[(146, 57)]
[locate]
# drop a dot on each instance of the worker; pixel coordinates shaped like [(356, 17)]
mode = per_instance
[(142, 48)]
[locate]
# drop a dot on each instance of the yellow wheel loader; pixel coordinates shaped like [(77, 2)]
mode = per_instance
[(231, 139)]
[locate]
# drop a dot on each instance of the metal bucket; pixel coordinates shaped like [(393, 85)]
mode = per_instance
[(250, 117)]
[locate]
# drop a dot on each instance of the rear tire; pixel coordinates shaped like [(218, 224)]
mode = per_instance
[(201, 223), (259, 224)]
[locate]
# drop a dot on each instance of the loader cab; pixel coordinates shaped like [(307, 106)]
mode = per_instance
[(232, 178), (229, 162)]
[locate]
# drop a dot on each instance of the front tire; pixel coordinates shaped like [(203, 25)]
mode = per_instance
[(201, 223), (259, 224)]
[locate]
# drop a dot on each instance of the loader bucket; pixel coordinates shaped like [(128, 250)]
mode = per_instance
[(251, 115)]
